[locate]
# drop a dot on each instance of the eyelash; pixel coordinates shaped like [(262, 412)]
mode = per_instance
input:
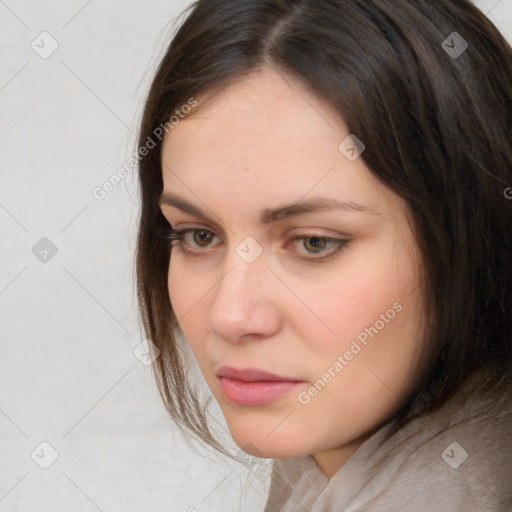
[(178, 235)]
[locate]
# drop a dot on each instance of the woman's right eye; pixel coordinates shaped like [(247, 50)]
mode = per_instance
[(200, 238)]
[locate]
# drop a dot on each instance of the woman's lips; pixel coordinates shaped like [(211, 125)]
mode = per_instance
[(251, 386), (254, 392)]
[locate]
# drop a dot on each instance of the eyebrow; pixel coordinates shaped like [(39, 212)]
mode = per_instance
[(271, 215)]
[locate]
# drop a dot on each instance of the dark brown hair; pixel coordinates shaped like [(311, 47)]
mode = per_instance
[(437, 130)]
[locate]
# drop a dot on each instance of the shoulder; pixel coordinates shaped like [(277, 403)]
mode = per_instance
[(456, 458)]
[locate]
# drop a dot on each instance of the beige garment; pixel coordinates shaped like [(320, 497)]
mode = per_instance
[(446, 461)]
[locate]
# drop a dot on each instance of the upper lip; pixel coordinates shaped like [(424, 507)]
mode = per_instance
[(250, 374)]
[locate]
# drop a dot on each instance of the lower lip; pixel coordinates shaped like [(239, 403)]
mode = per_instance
[(254, 392)]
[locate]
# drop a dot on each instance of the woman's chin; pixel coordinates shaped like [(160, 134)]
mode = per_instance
[(270, 451), (253, 442)]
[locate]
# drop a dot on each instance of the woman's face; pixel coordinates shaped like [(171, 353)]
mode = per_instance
[(338, 320)]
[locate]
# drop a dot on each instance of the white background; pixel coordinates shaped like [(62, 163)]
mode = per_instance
[(68, 326)]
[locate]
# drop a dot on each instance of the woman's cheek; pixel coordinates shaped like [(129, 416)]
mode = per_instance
[(181, 292)]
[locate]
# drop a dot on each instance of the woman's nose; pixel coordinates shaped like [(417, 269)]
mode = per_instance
[(246, 301)]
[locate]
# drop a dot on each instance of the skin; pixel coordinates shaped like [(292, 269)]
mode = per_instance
[(265, 141)]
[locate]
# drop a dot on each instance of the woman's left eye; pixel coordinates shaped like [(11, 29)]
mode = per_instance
[(193, 240), (315, 244)]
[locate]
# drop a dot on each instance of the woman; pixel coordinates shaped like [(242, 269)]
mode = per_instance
[(326, 220)]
